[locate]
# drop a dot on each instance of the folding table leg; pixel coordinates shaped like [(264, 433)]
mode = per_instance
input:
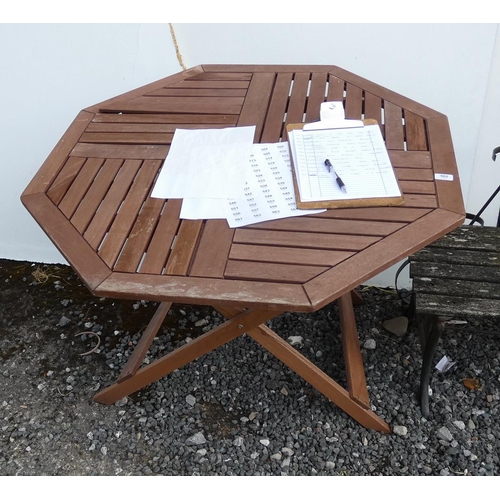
[(312, 374), (207, 342), (356, 380), (135, 360)]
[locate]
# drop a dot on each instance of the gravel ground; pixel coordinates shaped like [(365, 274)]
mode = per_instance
[(237, 410)]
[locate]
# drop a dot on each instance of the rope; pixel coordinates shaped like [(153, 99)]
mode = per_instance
[(177, 51)]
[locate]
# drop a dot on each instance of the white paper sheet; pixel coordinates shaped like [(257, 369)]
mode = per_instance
[(267, 195), (206, 163)]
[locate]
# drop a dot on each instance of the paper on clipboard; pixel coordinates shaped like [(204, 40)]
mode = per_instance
[(358, 155)]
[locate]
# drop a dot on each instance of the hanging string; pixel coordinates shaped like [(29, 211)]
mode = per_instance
[(177, 51)]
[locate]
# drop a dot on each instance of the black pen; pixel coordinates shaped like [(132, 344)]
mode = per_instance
[(340, 182)]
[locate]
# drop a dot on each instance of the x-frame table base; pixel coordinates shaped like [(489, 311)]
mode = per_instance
[(353, 401)]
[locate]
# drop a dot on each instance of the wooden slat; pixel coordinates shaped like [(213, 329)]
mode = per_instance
[(183, 249), (222, 76), (140, 236), (416, 137), (466, 272), (303, 240), (144, 128), (416, 187), (374, 259), (126, 216), (458, 255), (410, 159), (254, 110), (457, 306), (282, 255), (112, 201), (449, 194), (79, 187), (297, 103), (162, 239), (392, 214), (210, 259), (472, 238), (173, 118), (319, 225), (420, 201), (273, 127), (122, 151), (373, 107), (203, 92), (51, 166), (127, 138), (335, 88), (449, 287), (91, 269), (393, 121), (276, 273), (65, 178), (414, 174), (91, 201), (205, 291), (207, 84), (353, 102), (316, 96), (218, 105)]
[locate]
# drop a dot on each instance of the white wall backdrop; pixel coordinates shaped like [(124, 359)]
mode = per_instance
[(52, 71)]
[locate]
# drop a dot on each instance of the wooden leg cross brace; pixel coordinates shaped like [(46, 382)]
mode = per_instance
[(355, 401)]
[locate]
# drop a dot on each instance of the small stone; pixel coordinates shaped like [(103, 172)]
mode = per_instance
[(254, 455), (444, 433), (319, 354), (264, 442), (489, 398), (370, 344), (420, 446), (202, 452), (197, 438), (276, 456), (459, 424), (284, 391), (104, 450), (238, 441), (201, 322), (285, 463), (398, 326), (330, 465), (190, 400), (471, 425), (287, 451), (400, 430), (64, 321), (64, 302), (252, 415), (295, 340)]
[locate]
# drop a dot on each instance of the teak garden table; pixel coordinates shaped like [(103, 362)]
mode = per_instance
[(91, 197)]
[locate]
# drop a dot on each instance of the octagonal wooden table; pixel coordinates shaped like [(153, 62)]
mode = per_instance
[(92, 198)]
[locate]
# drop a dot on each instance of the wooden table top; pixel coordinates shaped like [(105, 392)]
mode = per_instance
[(91, 196)]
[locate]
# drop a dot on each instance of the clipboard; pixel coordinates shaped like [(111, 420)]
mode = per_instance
[(364, 196)]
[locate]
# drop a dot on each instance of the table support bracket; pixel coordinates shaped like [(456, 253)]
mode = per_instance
[(354, 402)]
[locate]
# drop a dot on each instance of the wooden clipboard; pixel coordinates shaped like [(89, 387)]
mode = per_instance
[(348, 203)]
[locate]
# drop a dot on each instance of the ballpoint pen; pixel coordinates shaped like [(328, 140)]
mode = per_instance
[(340, 182)]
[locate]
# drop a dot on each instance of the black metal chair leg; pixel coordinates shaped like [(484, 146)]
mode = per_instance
[(436, 327)]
